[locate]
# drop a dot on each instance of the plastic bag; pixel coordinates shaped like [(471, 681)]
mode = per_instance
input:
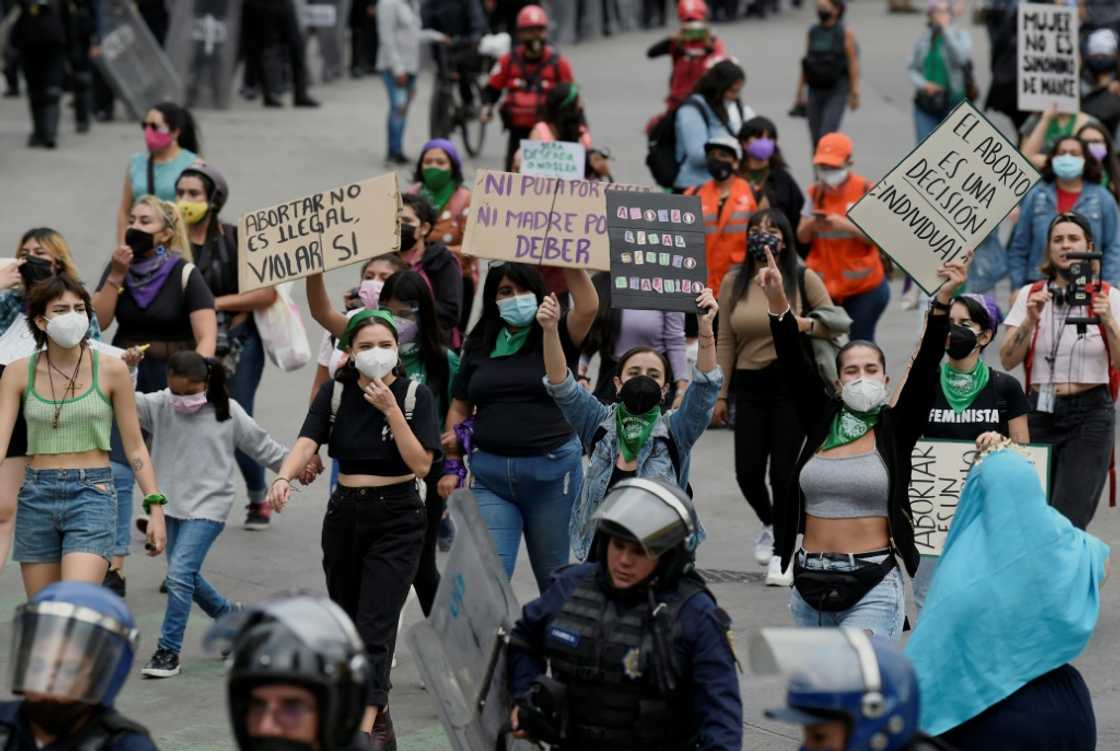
[(282, 331)]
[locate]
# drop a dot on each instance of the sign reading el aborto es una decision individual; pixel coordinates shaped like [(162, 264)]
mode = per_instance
[(1048, 58), (945, 196), (545, 221), (658, 251), (319, 232), (938, 471)]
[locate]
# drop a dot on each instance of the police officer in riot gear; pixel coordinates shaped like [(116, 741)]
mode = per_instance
[(637, 648), (73, 645), (297, 676), (850, 691)]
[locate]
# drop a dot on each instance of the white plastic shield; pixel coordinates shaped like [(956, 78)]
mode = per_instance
[(132, 61), (202, 44)]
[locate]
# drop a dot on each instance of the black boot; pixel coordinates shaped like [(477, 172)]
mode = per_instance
[(382, 735), (83, 100), (35, 140), (51, 114)]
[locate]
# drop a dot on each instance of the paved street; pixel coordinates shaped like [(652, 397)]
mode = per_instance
[(269, 156)]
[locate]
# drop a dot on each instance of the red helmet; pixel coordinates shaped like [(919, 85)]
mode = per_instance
[(532, 17), (692, 10)]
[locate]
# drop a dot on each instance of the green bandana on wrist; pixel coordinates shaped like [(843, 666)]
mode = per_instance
[(508, 343), (847, 426), (634, 430), (960, 389)]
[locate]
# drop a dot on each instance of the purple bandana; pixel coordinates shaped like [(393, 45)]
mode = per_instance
[(146, 277)]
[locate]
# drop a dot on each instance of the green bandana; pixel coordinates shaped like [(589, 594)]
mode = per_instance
[(758, 176), (437, 187), (355, 320), (960, 389), (509, 342), (847, 426), (634, 430), (413, 365), (1057, 130)]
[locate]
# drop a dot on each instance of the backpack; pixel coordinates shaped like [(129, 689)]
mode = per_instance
[(670, 444), (525, 101), (823, 69), (661, 155), (409, 399)]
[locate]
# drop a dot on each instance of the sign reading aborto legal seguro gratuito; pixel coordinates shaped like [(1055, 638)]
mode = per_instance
[(318, 232), (945, 196)]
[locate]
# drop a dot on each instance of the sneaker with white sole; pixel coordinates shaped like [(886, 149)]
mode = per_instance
[(164, 664), (775, 577), (764, 546)]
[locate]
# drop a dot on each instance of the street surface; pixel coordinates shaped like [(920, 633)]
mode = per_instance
[(270, 156)]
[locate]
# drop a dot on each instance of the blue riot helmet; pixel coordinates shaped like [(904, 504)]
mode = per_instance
[(843, 674), (73, 641)]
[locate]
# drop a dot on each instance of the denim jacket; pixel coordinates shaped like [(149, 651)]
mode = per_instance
[(1027, 247), (586, 414)]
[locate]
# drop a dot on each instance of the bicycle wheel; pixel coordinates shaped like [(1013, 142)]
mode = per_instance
[(440, 113), (473, 130)]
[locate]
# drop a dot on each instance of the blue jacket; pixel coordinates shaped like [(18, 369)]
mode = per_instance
[(1027, 247), (587, 415), (707, 664), (695, 129), (11, 717)]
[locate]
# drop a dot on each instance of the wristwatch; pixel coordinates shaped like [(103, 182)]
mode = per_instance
[(154, 499)]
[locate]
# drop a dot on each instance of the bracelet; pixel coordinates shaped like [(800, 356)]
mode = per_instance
[(938, 305), (153, 499), (456, 468)]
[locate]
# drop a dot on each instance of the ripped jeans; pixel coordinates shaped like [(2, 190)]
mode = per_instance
[(530, 494)]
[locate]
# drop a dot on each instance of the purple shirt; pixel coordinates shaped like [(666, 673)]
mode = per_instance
[(661, 330)]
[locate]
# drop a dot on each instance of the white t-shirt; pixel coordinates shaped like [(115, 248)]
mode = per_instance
[(330, 356), (1073, 357)]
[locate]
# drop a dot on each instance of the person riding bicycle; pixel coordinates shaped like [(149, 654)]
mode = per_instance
[(525, 75), (464, 22)]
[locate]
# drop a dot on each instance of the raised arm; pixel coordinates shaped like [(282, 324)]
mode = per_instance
[(320, 305), (585, 304)]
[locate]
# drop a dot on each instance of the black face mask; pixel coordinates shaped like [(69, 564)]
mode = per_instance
[(824, 15), (1098, 64), (140, 241), (719, 169), (34, 270), (56, 718), (534, 47), (962, 342), (408, 236), (275, 743), (640, 394)]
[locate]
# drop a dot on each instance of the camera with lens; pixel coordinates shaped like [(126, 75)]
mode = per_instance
[(1079, 289), (759, 242)]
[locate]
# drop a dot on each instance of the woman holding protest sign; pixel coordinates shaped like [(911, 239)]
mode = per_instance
[(1070, 386), (524, 458), (848, 491), (564, 117)]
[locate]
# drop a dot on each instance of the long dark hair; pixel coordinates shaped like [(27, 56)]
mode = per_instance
[(410, 288), (348, 372), (563, 115), (978, 314), (180, 119), (715, 83), (762, 127), (788, 261), (198, 369), (1110, 163), (1092, 171), (485, 333), (1047, 266), (41, 295)]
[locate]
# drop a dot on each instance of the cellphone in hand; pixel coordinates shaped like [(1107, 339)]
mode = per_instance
[(353, 302)]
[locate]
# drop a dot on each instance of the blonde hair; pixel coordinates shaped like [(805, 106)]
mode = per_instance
[(172, 221), (55, 245)]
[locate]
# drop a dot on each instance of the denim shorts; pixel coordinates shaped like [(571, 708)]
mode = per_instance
[(882, 611), (64, 511)]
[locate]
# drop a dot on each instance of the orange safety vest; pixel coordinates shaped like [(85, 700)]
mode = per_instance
[(726, 230), (849, 264)]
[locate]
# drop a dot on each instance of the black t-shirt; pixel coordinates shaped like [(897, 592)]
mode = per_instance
[(1001, 401), (167, 319), (515, 415), (217, 260), (360, 438)]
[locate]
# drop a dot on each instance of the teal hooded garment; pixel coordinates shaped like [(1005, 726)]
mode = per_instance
[(1016, 595)]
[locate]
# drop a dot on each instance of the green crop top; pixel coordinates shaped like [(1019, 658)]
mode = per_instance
[(84, 423)]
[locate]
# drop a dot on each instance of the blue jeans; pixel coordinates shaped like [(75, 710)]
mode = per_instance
[(188, 542), (243, 388), (123, 480), (925, 123), (882, 611), (399, 98), (923, 579), (989, 265), (824, 109), (865, 310), (533, 494), (63, 511)]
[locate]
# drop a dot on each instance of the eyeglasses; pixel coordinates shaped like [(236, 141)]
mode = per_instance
[(287, 713)]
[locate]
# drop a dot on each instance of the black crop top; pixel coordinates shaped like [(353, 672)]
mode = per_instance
[(360, 438)]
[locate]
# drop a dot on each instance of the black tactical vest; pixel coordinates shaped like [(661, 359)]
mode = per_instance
[(99, 734)]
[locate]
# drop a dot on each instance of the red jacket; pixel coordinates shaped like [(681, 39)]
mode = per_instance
[(526, 84), (690, 63)]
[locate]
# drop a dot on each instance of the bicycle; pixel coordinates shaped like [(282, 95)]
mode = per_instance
[(457, 94)]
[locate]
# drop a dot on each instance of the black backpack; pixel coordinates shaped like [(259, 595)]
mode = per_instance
[(661, 156), (823, 69)]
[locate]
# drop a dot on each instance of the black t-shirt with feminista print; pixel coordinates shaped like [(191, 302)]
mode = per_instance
[(1001, 401)]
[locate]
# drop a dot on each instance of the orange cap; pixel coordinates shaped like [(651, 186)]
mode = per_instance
[(833, 150)]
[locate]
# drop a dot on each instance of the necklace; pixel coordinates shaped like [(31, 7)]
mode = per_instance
[(71, 386)]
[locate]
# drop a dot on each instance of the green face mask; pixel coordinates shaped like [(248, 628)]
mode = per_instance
[(436, 178)]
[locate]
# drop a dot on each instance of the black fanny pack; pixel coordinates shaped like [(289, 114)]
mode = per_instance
[(833, 591)]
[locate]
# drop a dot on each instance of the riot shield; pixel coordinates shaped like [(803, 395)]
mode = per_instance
[(132, 62), (202, 44), (328, 21), (461, 647)]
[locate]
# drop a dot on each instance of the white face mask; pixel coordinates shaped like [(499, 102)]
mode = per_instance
[(376, 363), (864, 394), (833, 178), (68, 329)]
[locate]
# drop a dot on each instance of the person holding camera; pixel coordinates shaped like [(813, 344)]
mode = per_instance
[(1064, 331), (637, 649)]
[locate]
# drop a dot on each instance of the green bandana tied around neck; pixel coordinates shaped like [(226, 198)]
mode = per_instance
[(847, 426), (634, 430), (960, 389), (509, 342), (437, 187), (1056, 131)]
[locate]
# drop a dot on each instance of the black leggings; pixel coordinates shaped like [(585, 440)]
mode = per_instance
[(427, 575), (766, 428)]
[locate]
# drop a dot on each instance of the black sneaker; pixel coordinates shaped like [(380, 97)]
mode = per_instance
[(258, 517), (164, 664), (114, 582)]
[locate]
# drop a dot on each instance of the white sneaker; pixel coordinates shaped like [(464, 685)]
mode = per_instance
[(764, 546), (775, 577)]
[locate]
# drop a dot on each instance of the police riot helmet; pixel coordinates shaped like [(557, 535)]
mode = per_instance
[(843, 674), (304, 640), (657, 515), (73, 641), (219, 188)]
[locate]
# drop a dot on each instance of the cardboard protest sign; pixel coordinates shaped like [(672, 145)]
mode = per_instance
[(945, 196), (1048, 58), (553, 159), (540, 220), (658, 251), (939, 470), (320, 232)]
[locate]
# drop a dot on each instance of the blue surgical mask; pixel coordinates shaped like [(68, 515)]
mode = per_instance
[(1068, 166), (518, 311)]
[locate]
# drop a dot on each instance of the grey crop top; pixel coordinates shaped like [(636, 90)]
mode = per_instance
[(846, 488)]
